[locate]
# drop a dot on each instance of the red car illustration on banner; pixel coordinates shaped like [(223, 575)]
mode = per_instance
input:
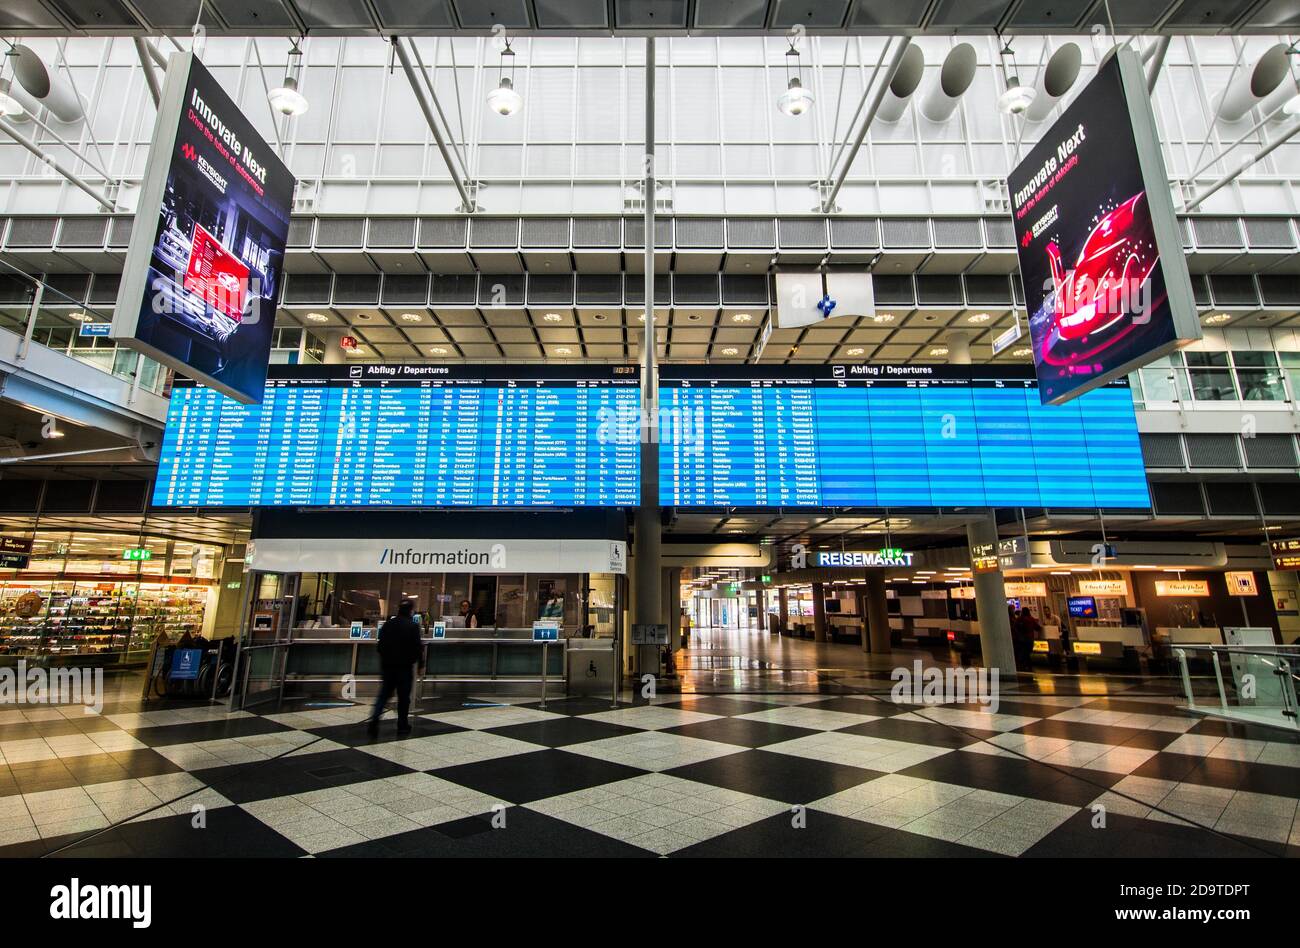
[(216, 275), (1106, 282)]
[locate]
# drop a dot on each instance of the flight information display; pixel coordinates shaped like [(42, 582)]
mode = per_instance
[(892, 436), (376, 435)]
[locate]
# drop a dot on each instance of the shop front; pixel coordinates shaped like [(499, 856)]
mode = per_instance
[(101, 597), (321, 585)]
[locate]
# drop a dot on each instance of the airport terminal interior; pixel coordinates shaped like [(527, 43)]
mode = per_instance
[(878, 411)]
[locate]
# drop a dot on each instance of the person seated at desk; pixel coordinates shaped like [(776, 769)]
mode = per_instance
[(467, 615)]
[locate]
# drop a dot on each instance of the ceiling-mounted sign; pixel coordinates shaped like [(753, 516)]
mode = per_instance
[(803, 298), (204, 264), (14, 561), (137, 554), (1103, 587), (984, 557), (890, 556), (1013, 553), (1182, 587), (15, 544), (95, 329), (1286, 553), (1106, 282), (1241, 583), (1007, 337)]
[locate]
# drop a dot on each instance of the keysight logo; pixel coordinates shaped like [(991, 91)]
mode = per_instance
[(77, 901)]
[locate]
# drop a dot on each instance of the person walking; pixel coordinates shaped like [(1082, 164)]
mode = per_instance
[(400, 650)]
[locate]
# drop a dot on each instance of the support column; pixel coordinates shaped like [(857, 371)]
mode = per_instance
[(782, 612), (958, 344), (819, 612), (673, 605), (647, 538), (991, 605), (334, 351), (876, 610)]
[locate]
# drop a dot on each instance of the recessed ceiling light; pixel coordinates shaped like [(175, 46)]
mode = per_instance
[(693, 317), (939, 351), (363, 316), (82, 317), (411, 317), (438, 350), (882, 318), (1021, 353), (552, 317), (1217, 318), (564, 351), (318, 317), (730, 351), (356, 351), (742, 318), (979, 318), (599, 317), (856, 351)]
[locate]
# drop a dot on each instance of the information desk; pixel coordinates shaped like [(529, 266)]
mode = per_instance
[(502, 661)]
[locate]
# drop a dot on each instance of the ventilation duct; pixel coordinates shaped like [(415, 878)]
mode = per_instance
[(47, 88), (1055, 80), (1253, 84), (954, 78), (905, 82)]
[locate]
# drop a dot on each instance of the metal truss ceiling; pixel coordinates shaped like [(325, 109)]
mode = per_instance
[(667, 17)]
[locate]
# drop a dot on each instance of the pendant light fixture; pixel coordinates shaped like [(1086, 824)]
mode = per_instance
[(285, 98), (795, 100), (1017, 96), (504, 100)]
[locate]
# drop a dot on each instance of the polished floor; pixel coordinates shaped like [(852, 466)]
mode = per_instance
[(1112, 769)]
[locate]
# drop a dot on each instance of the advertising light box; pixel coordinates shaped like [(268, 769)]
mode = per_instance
[(1106, 282), (204, 265)]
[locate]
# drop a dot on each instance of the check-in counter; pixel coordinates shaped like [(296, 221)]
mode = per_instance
[(1174, 636), (1048, 646), (503, 661), (1118, 643)]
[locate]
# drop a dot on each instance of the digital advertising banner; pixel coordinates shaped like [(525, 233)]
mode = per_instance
[(203, 268), (1101, 256)]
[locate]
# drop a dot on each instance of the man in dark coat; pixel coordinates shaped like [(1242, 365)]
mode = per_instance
[(400, 649)]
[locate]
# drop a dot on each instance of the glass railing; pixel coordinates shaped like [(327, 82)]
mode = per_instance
[(60, 323), (1254, 684), (1164, 387)]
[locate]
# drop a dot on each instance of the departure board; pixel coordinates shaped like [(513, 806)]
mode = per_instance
[(892, 436), (376, 435)]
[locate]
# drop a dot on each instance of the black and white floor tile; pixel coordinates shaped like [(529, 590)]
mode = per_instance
[(686, 775)]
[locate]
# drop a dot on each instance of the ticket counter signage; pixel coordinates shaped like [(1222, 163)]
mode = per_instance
[(1040, 645), (1027, 590), (1103, 587), (439, 630), (1086, 648), (1182, 587), (1241, 583), (546, 630), (1286, 554)]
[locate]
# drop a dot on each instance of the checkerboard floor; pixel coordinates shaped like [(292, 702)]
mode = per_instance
[(1110, 774)]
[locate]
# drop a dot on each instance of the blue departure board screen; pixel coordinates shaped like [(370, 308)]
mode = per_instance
[(375, 435), (892, 436)]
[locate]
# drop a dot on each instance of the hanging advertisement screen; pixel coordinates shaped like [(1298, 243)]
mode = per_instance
[(1101, 255), (203, 268)]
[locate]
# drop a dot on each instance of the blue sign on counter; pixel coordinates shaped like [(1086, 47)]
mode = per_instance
[(546, 632), (185, 664)]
